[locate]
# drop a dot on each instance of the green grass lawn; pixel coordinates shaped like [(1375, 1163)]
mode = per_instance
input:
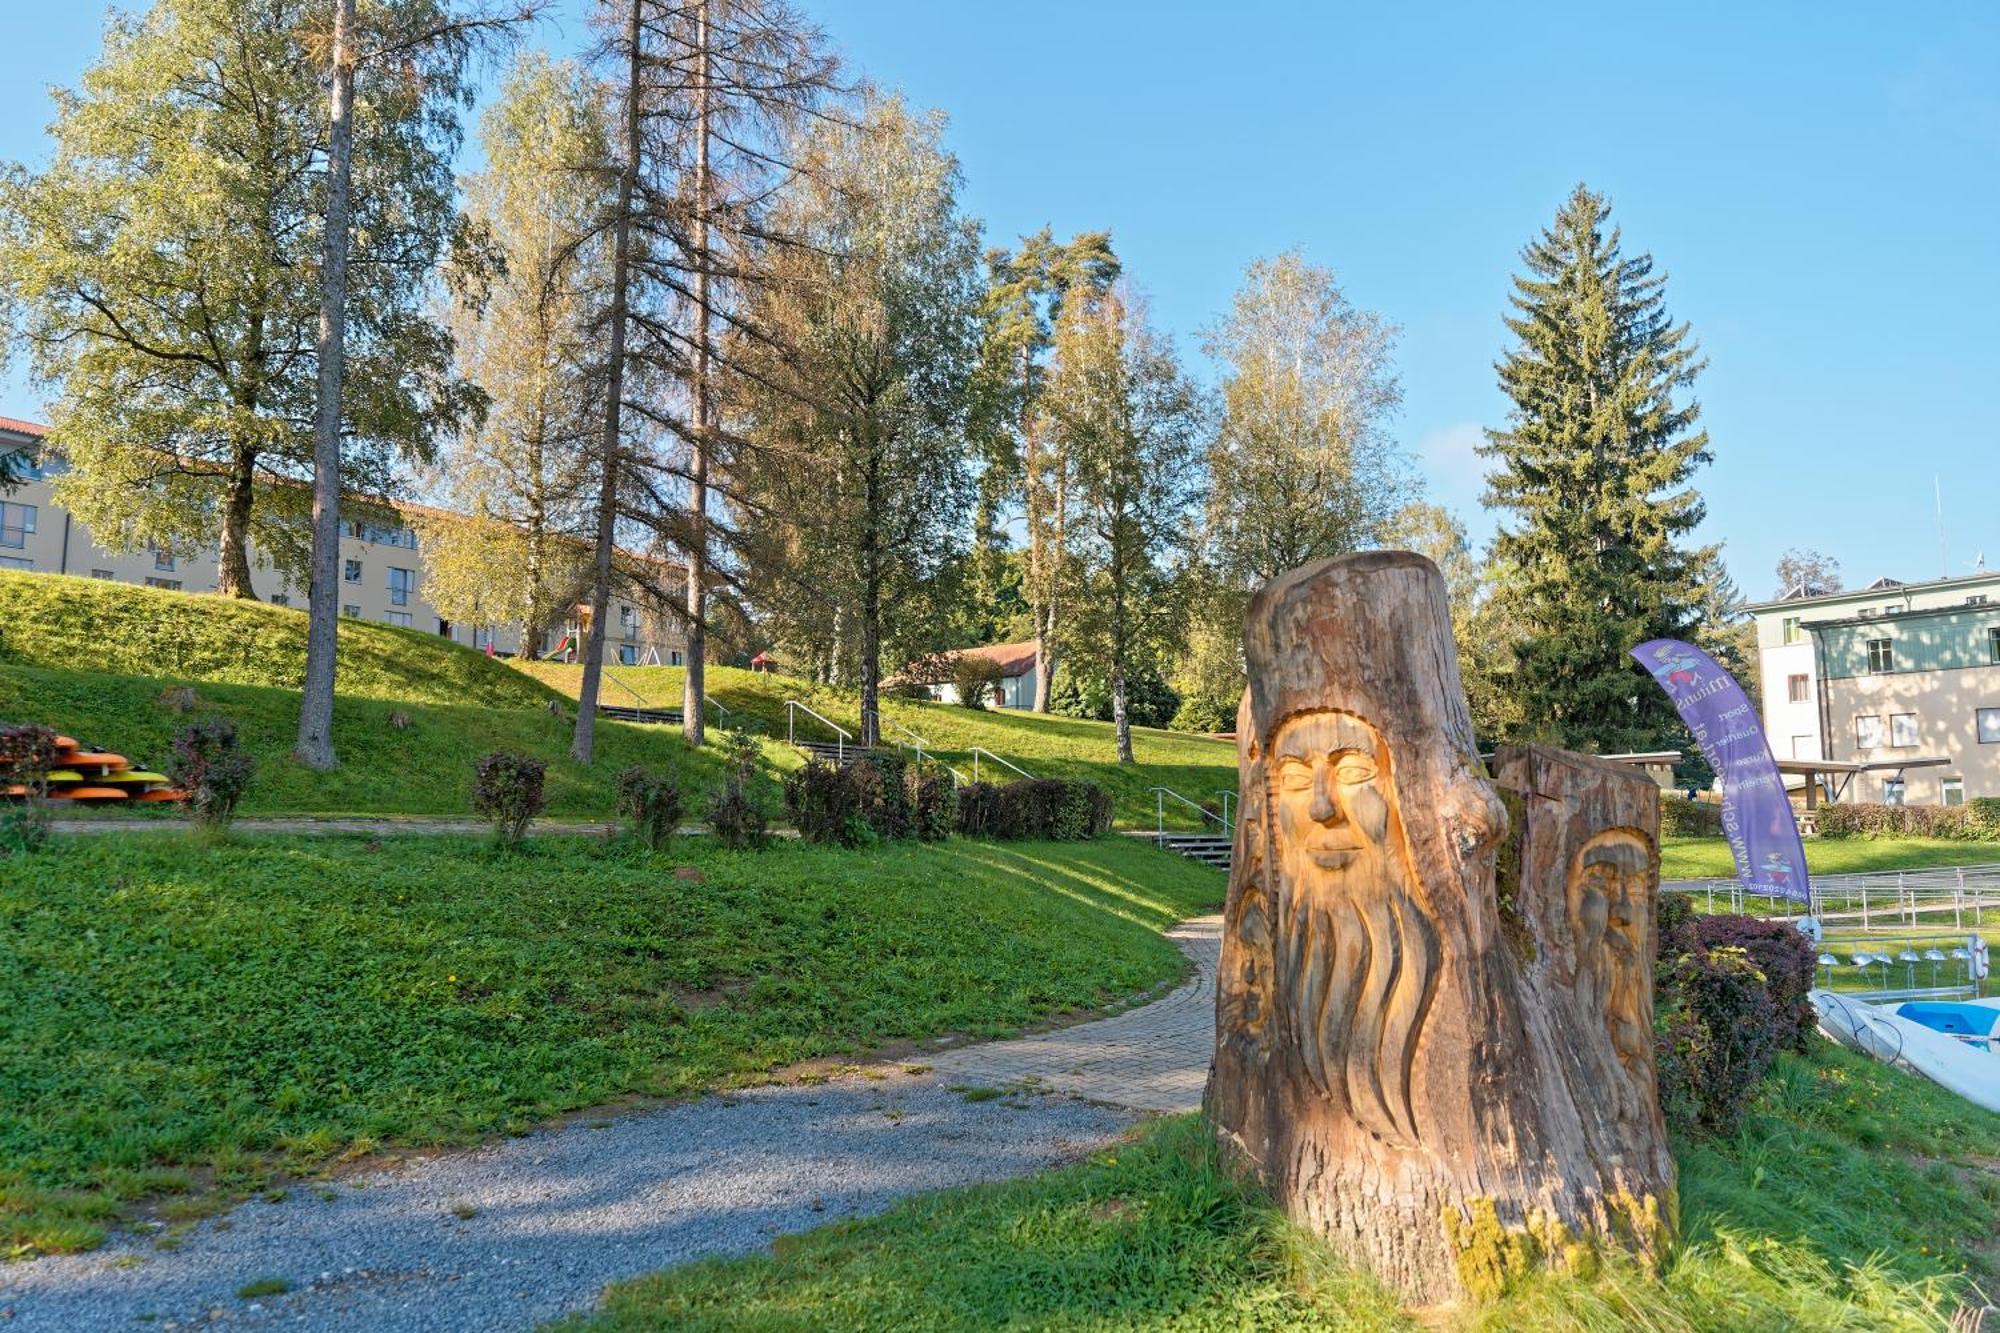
[(1699, 858), (1198, 767), (1842, 1204), (424, 769), (75, 624), (179, 1015)]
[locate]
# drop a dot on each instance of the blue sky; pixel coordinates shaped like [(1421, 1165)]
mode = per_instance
[(1821, 182)]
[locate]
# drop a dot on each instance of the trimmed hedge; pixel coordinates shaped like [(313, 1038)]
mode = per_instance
[(1682, 818), (1977, 820), (1055, 809), (878, 796)]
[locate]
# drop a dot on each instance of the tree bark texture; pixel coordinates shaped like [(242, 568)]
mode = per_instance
[(315, 740), (694, 689), (1433, 1037)]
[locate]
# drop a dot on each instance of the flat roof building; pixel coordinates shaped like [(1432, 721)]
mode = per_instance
[(1903, 678), (381, 568)]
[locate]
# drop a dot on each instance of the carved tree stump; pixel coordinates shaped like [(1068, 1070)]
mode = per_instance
[(1444, 1069)]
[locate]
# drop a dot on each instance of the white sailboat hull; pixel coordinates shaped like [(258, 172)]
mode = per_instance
[(1971, 1072)]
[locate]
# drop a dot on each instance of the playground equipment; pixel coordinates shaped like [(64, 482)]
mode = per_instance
[(81, 773)]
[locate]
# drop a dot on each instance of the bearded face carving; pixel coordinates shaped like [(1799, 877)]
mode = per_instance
[(1361, 957), (1610, 881)]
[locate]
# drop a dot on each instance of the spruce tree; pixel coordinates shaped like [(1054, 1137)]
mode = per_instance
[(1595, 467)]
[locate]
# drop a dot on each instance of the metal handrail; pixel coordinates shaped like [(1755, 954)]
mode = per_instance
[(793, 707), (921, 742), (1160, 795), (978, 750), (1227, 797), (638, 699)]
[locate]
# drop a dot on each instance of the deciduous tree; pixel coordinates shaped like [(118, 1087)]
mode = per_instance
[(1119, 408)]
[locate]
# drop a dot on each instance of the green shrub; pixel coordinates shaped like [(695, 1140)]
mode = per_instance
[(1682, 818), (1053, 808), (210, 766), (824, 805), (879, 796), (734, 813), (1785, 958), (976, 679), (933, 802), (507, 789), (1859, 820), (27, 753), (651, 799), (1715, 1036)]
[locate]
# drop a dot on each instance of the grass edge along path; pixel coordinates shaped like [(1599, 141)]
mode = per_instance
[(1850, 1200), (187, 1022)]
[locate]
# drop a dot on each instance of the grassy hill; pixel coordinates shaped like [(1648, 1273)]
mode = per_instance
[(182, 1015), (93, 624), (1198, 767), (422, 769)]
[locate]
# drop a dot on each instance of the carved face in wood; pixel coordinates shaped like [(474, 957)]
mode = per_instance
[(1610, 878), (1359, 957)]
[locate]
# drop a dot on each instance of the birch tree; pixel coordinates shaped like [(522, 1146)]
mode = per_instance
[(1120, 409)]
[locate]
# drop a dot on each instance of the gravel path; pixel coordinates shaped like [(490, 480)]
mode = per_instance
[(528, 1229)]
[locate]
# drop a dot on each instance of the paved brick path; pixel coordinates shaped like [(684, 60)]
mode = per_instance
[(1153, 1058)]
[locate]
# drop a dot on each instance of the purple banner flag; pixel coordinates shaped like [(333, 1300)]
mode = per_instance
[(1756, 814)]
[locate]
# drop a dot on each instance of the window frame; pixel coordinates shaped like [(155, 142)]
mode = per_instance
[(1895, 791), (1979, 729), (352, 570), (1880, 734), (1790, 629), (1884, 663), (400, 619), (22, 527), (401, 595), (1916, 732), (1947, 787), (1798, 688)]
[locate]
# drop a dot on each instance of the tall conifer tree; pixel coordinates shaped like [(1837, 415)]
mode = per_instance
[(1596, 465)]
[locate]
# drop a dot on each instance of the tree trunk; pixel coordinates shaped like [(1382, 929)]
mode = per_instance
[(233, 551), (694, 693), (1119, 719), (1441, 1066), (584, 739), (871, 599), (315, 742)]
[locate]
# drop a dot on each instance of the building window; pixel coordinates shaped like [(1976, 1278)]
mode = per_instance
[(444, 628), (1953, 790), (1795, 689), (379, 536), (1868, 731), (1789, 629), (103, 574), (17, 524), (15, 562), (1805, 747), (163, 556), (628, 621), (1892, 791), (1993, 646), (280, 599), (1989, 726), (350, 609), (1977, 599), (674, 658), (397, 618), (482, 637), (1902, 730), (401, 581), (1881, 657), (170, 585), (351, 572), (628, 654)]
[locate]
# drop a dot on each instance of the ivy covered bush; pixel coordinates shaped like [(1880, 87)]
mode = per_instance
[(1056, 809), (878, 797)]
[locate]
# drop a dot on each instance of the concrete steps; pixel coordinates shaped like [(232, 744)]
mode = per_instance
[(1213, 849)]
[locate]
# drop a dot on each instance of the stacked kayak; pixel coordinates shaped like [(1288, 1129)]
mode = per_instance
[(1948, 1042), (81, 773)]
